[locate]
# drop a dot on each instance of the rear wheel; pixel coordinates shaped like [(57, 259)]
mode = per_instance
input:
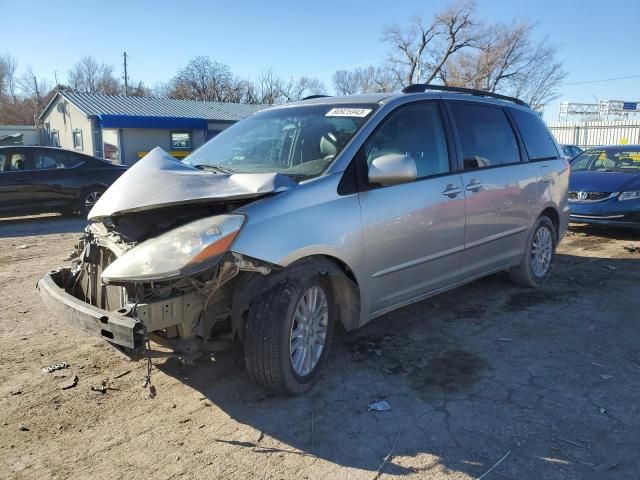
[(288, 335), (535, 268), (89, 198)]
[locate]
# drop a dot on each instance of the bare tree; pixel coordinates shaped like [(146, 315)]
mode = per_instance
[(420, 50), (270, 89), (365, 80), (508, 60), (10, 66), (34, 88), (89, 76), (202, 79)]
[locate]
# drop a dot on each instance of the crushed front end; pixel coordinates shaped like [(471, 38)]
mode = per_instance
[(164, 275)]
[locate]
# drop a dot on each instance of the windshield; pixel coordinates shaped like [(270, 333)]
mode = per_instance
[(608, 159), (297, 141)]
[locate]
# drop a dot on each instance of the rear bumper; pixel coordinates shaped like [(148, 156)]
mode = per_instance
[(117, 329)]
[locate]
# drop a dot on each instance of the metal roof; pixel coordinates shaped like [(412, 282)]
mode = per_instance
[(95, 104)]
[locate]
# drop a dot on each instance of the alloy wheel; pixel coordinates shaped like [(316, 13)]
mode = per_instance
[(541, 251), (309, 330)]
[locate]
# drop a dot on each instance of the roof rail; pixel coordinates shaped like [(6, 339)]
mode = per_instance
[(423, 87), (311, 97)]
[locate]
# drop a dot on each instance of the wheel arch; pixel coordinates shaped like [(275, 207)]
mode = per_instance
[(554, 216), (345, 289)]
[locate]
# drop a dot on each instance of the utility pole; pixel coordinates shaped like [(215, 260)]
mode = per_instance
[(126, 78)]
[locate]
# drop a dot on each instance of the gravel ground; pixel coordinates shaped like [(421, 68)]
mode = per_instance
[(549, 378)]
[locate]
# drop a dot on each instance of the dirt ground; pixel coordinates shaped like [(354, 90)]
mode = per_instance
[(550, 378)]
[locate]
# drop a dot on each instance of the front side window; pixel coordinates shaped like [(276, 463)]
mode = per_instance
[(609, 159), (181, 140), (415, 131), (77, 138), (299, 141), (485, 134), (535, 136)]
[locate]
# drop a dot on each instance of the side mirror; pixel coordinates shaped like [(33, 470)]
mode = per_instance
[(393, 169)]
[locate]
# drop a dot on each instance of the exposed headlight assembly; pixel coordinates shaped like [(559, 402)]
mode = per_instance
[(182, 251), (631, 195)]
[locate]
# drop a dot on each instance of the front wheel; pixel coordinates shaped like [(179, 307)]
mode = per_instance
[(89, 198), (535, 268), (288, 335)]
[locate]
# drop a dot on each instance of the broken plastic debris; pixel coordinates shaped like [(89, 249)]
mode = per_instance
[(72, 384), (22, 247), (379, 406), (602, 410), (57, 366), (604, 376)]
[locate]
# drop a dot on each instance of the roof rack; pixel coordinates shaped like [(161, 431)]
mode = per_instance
[(311, 97), (422, 87)]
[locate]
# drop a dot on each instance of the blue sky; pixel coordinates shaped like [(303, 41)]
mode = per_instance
[(597, 40)]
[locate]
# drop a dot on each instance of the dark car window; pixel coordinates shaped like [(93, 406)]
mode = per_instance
[(535, 136), (485, 134), (416, 131), (55, 160), (12, 161)]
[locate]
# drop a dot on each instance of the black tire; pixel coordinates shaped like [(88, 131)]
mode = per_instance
[(524, 274), (88, 199), (267, 337)]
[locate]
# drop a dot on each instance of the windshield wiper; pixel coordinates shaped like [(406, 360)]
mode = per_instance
[(214, 168)]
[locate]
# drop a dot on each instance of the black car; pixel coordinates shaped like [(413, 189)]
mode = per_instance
[(49, 179)]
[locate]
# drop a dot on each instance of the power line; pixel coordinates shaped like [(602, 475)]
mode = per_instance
[(603, 80)]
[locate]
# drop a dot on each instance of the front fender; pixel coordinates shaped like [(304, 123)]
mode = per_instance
[(310, 220)]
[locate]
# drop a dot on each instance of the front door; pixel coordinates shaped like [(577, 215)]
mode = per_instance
[(500, 188), (55, 184), (16, 189), (413, 232)]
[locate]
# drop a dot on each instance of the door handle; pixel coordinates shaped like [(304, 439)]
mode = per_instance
[(452, 190), (546, 178), (474, 186)]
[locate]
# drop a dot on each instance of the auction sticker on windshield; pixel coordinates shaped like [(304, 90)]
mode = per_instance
[(348, 112)]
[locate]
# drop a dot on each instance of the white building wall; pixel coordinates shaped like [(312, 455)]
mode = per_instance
[(592, 134), (65, 121)]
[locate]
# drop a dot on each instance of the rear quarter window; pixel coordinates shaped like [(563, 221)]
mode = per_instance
[(535, 136)]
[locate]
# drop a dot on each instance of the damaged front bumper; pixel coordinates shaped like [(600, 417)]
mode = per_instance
[(116, 328)]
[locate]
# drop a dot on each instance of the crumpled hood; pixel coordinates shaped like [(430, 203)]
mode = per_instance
[(159, 180), (603, 181)]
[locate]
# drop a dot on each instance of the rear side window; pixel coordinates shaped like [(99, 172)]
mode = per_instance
[(415, 131), (485, 134), (536, 138)]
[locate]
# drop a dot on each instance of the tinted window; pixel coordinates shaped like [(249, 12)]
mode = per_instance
[(416, 131), (485, 134), (12, 161), (55, 160), (535, 136)]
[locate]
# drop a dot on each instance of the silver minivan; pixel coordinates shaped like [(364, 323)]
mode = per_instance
[(329, 210)]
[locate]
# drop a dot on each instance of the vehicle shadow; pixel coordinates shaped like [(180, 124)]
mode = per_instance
[(40, 225), (605, 232), (471, 374)]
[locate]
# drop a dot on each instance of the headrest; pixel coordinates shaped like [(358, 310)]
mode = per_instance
[(329, 145)]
